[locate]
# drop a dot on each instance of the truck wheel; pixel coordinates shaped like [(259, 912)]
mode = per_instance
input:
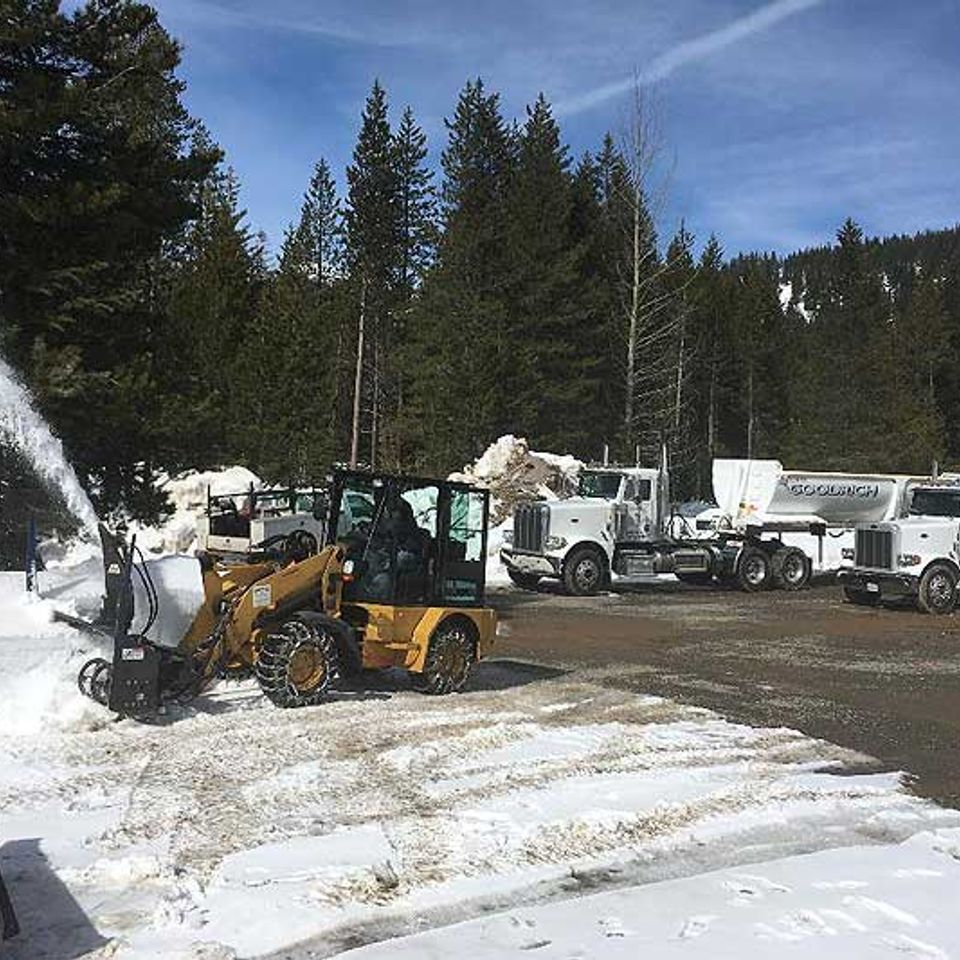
[(753, 570), (450, 655), (525, 581), (584, 572), (938, 589), (861, 597), (298, 663), (790, 568)]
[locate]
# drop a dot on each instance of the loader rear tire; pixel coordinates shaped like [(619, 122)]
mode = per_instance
[(452, 651), (298, 663)]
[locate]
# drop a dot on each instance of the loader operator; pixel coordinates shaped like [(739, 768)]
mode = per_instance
[(394, 546)]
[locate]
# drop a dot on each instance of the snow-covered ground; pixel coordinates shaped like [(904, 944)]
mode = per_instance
[(472, 825)]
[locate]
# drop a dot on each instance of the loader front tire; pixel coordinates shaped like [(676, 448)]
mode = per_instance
[(452, 651), (298, 663)]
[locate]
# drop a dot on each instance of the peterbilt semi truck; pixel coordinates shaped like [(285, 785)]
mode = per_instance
[(916, 556), (771, 527)]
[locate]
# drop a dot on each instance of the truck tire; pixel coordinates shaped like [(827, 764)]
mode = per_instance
[(525, 581), (938, 589), (584, 572), (754, 569), (791, 568), (860, 597)]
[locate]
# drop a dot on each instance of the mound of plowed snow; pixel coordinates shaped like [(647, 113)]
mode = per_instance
[(187, 493), (513, 472)]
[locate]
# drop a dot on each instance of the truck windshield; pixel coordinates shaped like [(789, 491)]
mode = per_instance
[(603, 486), (935, 503)]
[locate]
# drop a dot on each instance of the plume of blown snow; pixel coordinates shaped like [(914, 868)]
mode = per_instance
[(22, 426)]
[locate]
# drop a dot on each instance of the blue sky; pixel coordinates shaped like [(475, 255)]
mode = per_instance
[(779, 118)]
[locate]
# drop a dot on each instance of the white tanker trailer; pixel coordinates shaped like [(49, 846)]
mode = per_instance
[(771, 527)]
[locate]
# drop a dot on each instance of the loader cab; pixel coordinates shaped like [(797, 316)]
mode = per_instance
[(409, 541)]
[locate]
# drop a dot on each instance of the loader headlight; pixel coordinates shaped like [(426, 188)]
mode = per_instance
[(555, 543), (848, 553), (908, 560), (347, 572), (508, 536)]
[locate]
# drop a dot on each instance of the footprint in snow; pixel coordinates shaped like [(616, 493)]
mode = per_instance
[(696, 926), (884, 909), (916, 948), (749, 888), (613, 927)]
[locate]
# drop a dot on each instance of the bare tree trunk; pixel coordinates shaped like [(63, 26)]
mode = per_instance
[(375, 405), (711, 420), (750, 423), (678, 391), (358, 379), (631, 384)]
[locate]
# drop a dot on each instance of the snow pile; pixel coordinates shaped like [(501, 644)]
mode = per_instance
[(39, 662), (513, 472), (187, 493)]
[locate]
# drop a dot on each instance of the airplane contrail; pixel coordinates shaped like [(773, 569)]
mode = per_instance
[(690, 51)]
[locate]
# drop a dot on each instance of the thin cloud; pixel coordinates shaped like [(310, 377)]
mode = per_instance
[(209, 13), (690, 51)]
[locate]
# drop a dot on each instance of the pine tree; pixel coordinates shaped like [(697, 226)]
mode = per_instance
[(373, 247), (552, 379), (98, 176), (418, 202), (466, 359), (212, 395)]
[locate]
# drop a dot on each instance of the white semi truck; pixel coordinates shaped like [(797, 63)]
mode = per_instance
[(915, 556), (771, 527)]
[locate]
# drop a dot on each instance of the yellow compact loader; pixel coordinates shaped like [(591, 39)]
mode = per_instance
[(399, 583)]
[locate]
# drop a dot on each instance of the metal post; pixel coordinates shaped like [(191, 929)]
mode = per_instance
[(31, 555)]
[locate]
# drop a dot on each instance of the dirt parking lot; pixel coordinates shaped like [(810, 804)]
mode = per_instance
[(885, 682)]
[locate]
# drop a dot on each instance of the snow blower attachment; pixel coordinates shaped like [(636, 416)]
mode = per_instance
[(400, 583)]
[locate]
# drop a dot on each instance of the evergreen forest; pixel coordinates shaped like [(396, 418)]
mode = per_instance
[(415, 313)]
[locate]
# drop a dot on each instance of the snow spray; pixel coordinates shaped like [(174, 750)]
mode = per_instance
[(22, 425)]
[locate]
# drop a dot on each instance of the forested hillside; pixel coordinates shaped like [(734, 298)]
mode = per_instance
[(417, 314)]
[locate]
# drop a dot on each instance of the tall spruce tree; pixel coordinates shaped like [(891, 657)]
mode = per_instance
[(466, 360), (373, 247), (98, 174), (552, 377), (211, 403)]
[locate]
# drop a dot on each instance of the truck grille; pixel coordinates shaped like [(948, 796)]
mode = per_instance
[(874, 549), (530, 523)]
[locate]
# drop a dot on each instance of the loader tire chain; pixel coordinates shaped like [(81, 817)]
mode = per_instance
[(275, 655)]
